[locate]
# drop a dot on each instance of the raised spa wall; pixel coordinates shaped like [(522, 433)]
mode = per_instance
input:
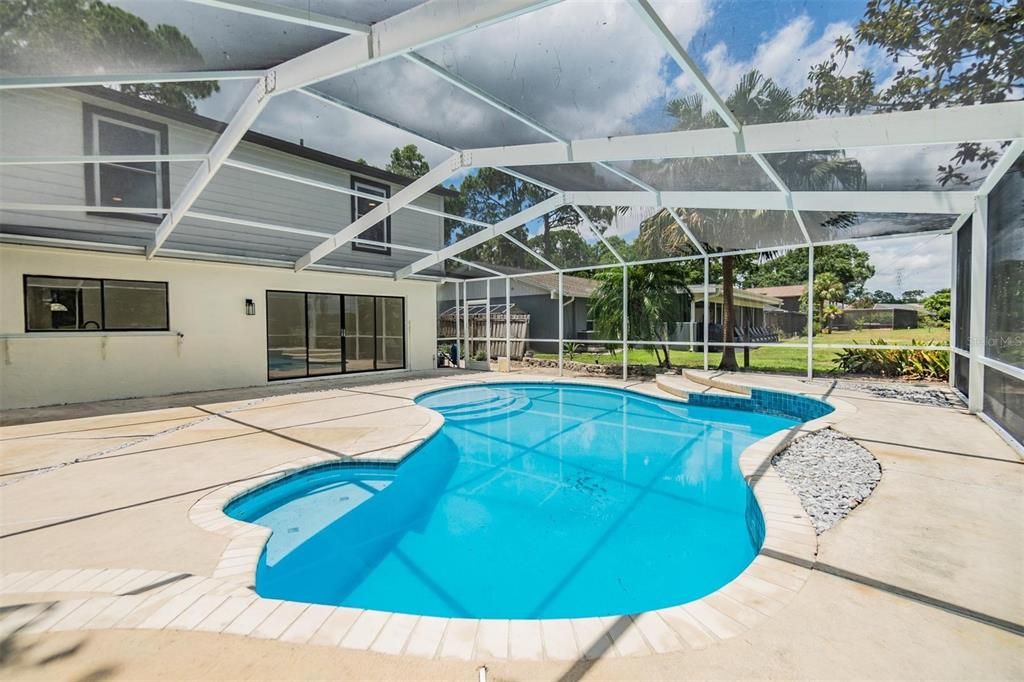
[(768, 402)]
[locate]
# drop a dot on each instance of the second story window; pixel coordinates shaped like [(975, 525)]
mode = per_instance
[(361, 205), (142, 185)]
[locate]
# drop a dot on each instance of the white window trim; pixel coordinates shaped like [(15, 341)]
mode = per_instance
[(374, 189), (157, 174)]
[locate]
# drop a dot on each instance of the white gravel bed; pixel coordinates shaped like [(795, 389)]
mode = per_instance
[(830, 473), (922, 395)]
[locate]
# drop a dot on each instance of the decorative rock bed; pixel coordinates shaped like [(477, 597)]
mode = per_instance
[(830, 473), (922, 395), (613, 370)]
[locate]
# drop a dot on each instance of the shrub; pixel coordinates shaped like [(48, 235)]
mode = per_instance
[(481, 356), (915, 362), (571, 348)]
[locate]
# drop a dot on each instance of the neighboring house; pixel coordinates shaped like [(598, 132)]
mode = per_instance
[(881, 316), (537, 295), (789, 294), (220, 306)]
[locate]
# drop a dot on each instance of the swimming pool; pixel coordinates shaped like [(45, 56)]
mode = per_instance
[(542, 500)]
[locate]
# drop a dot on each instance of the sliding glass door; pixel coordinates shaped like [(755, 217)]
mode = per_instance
[(315, 334), (286, 335)]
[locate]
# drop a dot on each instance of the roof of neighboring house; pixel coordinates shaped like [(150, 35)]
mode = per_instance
[(786, 291), (916, 307), (744, 297), (579, 287), (193, 119)]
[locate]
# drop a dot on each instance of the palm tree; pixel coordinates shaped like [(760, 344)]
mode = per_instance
[(651, 299), (756, 99), (828, 291)]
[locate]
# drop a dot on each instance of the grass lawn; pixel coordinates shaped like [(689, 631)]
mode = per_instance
[(769, 359)]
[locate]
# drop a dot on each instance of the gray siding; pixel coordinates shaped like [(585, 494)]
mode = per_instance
[(49, 123)]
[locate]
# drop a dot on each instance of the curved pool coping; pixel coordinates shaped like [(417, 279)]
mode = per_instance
[(764, 587)]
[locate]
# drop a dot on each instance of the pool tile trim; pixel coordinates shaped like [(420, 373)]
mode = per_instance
[(227, 601)]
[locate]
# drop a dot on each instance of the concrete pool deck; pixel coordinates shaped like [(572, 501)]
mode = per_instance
[(922, 580)]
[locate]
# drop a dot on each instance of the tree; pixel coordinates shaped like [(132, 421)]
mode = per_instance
[(938, 305), (851, 266), (408, 161), (65, 36), (944, 52), (912, 296), (880, 296), (756, 99), (491, 195), (828, 291), (651, 300)]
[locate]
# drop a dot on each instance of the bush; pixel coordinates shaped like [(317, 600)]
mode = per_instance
[(914, 363), (481, 356)]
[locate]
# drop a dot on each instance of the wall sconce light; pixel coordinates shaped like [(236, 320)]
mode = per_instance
[(250, 307)]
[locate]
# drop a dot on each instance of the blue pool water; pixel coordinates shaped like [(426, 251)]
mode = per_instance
[(533, 501)]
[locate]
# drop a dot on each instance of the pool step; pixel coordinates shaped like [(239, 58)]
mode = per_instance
[(484, 409), (683, 386)]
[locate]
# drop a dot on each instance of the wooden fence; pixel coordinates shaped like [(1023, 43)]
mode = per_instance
[(520, 325)]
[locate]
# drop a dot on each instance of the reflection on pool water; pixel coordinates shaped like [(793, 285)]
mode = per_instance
[(532, 501)]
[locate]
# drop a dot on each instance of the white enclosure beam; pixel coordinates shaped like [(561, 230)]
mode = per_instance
[(530, 251), (717, 102), (474, 265), (687, 231), (346, 106), (682, 58), (509, 110), (99, 158), (402, 198), (861, 202), (978, 304), (597, 233), (222, 148), (32, 82), (422, 25), (982, 122), (561, 324), (302, 180), (69, 208), (254, 224), (290, 15), (810, 312), (510, 223), (625, 322), (1004, 164), (472, 90)]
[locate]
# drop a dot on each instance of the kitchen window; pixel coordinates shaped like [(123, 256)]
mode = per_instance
[(84, 304)]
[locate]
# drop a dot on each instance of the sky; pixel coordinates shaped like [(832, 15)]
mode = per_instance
[(581, 68)]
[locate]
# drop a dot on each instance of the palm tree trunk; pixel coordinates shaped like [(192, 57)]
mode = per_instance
[(728, 361)]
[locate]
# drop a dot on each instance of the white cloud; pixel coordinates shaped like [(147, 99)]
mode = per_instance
[(909, 263), (582, 69), (786, 56), (321, 126)]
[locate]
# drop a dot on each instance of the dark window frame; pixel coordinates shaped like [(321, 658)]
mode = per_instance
[(89, 112), (103, 306), (368, 248), (344, 371)]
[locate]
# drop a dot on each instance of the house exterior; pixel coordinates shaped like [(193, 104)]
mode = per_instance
[(789, 295), (85, 316)]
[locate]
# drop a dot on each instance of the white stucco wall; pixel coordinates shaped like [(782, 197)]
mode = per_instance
[(220, 346)]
